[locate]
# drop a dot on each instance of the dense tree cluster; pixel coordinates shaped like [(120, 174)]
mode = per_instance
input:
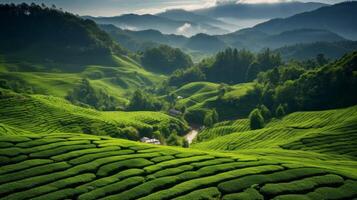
[(165, 59), (230, 66), (292, 88), (256, 119), (85, 94), (144, 101)]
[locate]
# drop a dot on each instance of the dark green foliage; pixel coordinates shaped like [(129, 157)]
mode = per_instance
[(256, 119), (321, 60), (230, 66), (280, 111), (143, 101), (210, 118), (205, 43), (84, 93), (253, 71), (265, 113), (33, 32), (331, 50), (181, 77), (330, 86), (185, 143), (129, 133), (165, 59), (174, 139)]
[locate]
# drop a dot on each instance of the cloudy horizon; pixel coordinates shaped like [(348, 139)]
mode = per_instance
[(119, 7)]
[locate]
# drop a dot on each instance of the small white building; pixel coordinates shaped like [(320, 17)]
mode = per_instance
[(150, 140)]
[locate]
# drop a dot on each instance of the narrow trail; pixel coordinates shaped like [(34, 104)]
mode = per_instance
[(190, 136)]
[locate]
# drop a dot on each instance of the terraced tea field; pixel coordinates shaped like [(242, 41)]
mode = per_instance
[(78, 166), (44, 114), (200, 97), (124, 76), (331, 131)]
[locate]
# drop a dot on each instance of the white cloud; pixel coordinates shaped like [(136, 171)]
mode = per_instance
[(184, 29)]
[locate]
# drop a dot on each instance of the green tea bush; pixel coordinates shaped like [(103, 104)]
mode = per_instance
[(112, 188), (240, 184), (126, 164), (302, 185), (207, 193), (248, 194)]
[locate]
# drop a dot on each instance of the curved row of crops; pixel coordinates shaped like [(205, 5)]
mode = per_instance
[(45, 114), (63, 166), (332, 131)]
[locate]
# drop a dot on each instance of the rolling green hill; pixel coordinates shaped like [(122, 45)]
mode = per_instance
[(200, 98), (118, 80), (330, 131), (46, 114), (54, 62)]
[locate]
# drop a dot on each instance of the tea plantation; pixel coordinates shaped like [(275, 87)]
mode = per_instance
[(330, 131), (79, 166), (21, 114)]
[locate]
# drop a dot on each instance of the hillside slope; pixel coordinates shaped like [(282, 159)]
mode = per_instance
[(41, 34), (118, 80), (45, 114), (49, 51), (73, 166), (330, 131)]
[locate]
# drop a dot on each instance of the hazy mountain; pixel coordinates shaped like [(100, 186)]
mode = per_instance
[(331, 50), (184, 15), (258, 10), (141, 40), (300, 36), (338, 18), (205, 43), (162, 24), (256, 40)]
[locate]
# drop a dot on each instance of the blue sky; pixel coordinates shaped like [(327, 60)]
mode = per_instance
[(118, 7)]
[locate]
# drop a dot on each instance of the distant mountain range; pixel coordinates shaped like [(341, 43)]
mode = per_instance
[(329, 24), (339, 18), (258, 10), (212, 21), (165, 25)]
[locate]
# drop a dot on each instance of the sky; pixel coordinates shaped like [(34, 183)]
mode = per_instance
[(118, 7)]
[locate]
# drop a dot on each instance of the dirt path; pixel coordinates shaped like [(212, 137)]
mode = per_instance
[(190, 136)]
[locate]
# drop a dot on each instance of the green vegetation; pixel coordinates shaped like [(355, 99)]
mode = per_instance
[(165, 59), (84, 93), (45, 114), (266, 129), (143, 101), (331, 131), (144, 174), (31, 35), (231, 66), (256, 119), (201, 99)]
